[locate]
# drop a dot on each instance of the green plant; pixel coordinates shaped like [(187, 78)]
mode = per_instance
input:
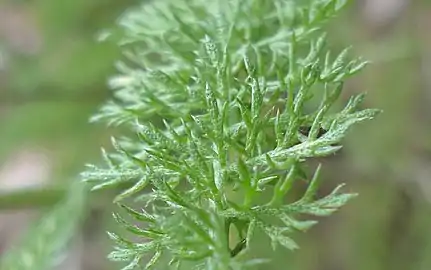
[(44, 245), (220, 95)]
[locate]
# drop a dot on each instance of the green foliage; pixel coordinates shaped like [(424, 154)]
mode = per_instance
[(219, 94), (46, 242)]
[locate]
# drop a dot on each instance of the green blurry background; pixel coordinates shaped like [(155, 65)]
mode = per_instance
[(53, 77)]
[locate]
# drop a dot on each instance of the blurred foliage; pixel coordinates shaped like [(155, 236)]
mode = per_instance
[(46, 242), (46, 99)]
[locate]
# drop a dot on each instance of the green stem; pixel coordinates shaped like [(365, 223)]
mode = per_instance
[(34, 197)]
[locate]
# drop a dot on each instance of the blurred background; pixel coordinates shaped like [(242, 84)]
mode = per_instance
[(53, 77)]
